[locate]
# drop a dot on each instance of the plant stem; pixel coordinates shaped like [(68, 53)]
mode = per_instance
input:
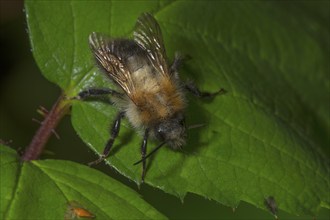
[(50, 122)]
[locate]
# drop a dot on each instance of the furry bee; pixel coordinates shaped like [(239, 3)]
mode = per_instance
[(150, 93)]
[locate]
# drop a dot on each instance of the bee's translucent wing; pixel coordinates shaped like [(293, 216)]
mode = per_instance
[(148, 36), (103, 48)]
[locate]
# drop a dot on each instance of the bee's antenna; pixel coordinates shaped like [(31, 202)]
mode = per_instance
[(195, 126), (153, 151)]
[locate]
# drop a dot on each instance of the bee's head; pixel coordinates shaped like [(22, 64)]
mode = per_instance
[(172, 131)]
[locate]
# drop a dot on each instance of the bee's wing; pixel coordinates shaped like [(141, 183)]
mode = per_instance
[(148, 36), (103, 49)]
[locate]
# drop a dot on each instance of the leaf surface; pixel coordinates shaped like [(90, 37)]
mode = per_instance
[(45, 190)]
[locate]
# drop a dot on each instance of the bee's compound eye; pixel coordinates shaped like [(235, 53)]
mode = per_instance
[(170, 130), (160, 133)]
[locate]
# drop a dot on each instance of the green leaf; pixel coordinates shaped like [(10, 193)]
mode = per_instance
[(44, 190), (266, 137)]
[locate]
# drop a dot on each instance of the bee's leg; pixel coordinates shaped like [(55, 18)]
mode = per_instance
[(143, 153), (96, 92), (191, 87), (114, 133), (178, 60)]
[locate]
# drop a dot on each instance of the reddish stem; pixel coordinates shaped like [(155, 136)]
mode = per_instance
[(47, 127)]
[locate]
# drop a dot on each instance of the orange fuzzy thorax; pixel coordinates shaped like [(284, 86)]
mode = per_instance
[(157, 104)]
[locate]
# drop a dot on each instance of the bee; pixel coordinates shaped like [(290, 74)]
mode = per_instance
[(149, 91)]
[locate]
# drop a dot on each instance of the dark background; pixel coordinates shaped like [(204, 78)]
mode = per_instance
[(23, 89)]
